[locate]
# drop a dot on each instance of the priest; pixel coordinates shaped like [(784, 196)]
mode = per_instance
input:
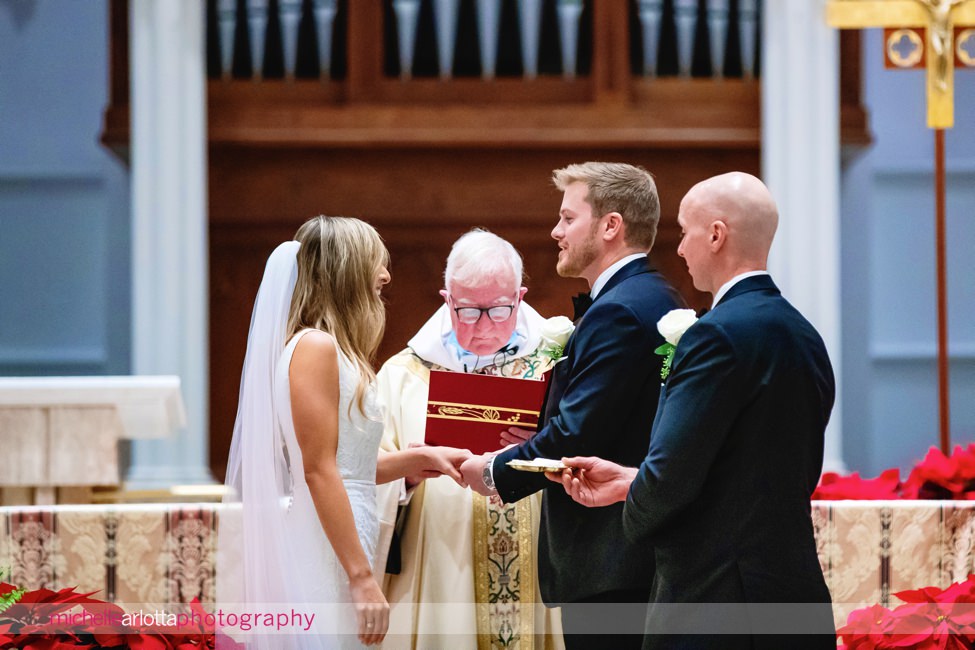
[(466, 563)]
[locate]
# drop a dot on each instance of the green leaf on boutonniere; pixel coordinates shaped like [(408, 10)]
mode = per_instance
[(554, 353), (667, 352)]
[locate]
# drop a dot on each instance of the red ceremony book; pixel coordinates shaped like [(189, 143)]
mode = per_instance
[(471, 411)]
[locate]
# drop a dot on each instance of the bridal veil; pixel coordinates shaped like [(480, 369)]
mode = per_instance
[(254, 565)]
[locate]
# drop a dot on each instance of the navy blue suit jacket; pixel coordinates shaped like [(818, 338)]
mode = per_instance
[(736, 450), (600, 403)]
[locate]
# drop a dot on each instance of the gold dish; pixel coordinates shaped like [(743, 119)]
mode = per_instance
[(537, 465)]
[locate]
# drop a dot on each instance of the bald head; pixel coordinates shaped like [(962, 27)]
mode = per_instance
[(745, 205), (735, 218)]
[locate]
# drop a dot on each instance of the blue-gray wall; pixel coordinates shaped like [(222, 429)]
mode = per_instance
[(65, 245), (888, 256), (64, 204)]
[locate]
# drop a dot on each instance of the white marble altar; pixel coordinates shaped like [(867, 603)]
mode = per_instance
[(63, 432)]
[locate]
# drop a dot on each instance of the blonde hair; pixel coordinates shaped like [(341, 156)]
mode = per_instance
[(338, 263), (618, 187)]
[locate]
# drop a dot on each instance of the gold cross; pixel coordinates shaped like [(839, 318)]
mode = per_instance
[(939, 17)]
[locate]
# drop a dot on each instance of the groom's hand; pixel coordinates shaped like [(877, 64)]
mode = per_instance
[(594, 482), (473, 472)]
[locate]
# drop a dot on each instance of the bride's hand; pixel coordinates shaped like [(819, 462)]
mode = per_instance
[(371, 609), (447, 460), (437, 461)]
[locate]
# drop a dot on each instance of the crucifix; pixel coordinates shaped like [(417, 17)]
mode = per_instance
[(936, 34)]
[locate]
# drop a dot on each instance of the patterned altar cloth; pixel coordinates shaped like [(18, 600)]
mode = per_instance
[(150, 554), (870, 550), (166, 553)]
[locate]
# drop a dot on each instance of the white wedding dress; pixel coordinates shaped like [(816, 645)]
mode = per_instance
[(325, 582)]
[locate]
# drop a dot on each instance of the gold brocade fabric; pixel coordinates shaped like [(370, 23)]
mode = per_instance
[(870, 550), (166, 553), (144, 555), (504, 571)]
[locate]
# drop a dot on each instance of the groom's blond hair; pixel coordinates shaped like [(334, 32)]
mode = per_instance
[(618, 187)]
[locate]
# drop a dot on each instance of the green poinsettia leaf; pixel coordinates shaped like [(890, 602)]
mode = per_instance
[(8, 600)]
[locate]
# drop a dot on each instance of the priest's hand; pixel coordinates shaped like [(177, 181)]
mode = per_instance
[(594, 482), (515, 435), (473, 473)]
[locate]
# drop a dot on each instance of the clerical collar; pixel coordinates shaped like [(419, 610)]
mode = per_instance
[(604, 277), (732, 282), (470, 362), (436, 343)]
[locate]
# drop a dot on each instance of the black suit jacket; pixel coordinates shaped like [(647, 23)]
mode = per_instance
[(601, 402), (735, 453)]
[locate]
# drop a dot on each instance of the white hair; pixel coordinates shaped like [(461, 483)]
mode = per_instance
[(479, 256)]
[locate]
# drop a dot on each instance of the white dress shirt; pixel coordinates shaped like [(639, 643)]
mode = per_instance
[(732, 282), (604, 277), (597, 286)]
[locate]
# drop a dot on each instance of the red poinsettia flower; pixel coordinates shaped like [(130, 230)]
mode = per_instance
[(39, 606), (950, 611), (194, 632), (919, 626), (833, 487), (926, 625), (931, 619), (943, 477), (865, 628), (33, 623), (958, 592), (149, 642)]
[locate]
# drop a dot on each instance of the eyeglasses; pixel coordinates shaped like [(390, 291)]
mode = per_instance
[(470, 315)]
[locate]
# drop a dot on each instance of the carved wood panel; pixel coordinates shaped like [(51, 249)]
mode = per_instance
[(420, 200)]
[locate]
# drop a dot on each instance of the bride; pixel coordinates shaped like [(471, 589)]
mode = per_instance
[(303, 459)]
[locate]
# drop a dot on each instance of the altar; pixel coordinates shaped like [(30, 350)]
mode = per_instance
[(61, 434), (870, 550), (166, 553)]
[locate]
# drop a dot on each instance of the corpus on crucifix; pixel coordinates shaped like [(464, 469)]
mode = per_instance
[(940, 19), (936, 34)]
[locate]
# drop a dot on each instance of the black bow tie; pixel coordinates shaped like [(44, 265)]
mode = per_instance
[(580, 305)]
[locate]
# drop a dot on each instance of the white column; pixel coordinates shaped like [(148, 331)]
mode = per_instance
[(169, 227), (801, 165)]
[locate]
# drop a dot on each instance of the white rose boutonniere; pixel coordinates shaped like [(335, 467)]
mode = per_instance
[(672, 326), (555, 334)]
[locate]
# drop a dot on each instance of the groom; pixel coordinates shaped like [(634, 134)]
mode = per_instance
[(722, 497), (601, 398)]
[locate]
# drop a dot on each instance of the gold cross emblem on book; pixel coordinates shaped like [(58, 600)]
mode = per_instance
[(940, 19)]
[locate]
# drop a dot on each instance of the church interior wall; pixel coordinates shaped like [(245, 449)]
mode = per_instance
[(888, 271), (65, 241), (64, 207)]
